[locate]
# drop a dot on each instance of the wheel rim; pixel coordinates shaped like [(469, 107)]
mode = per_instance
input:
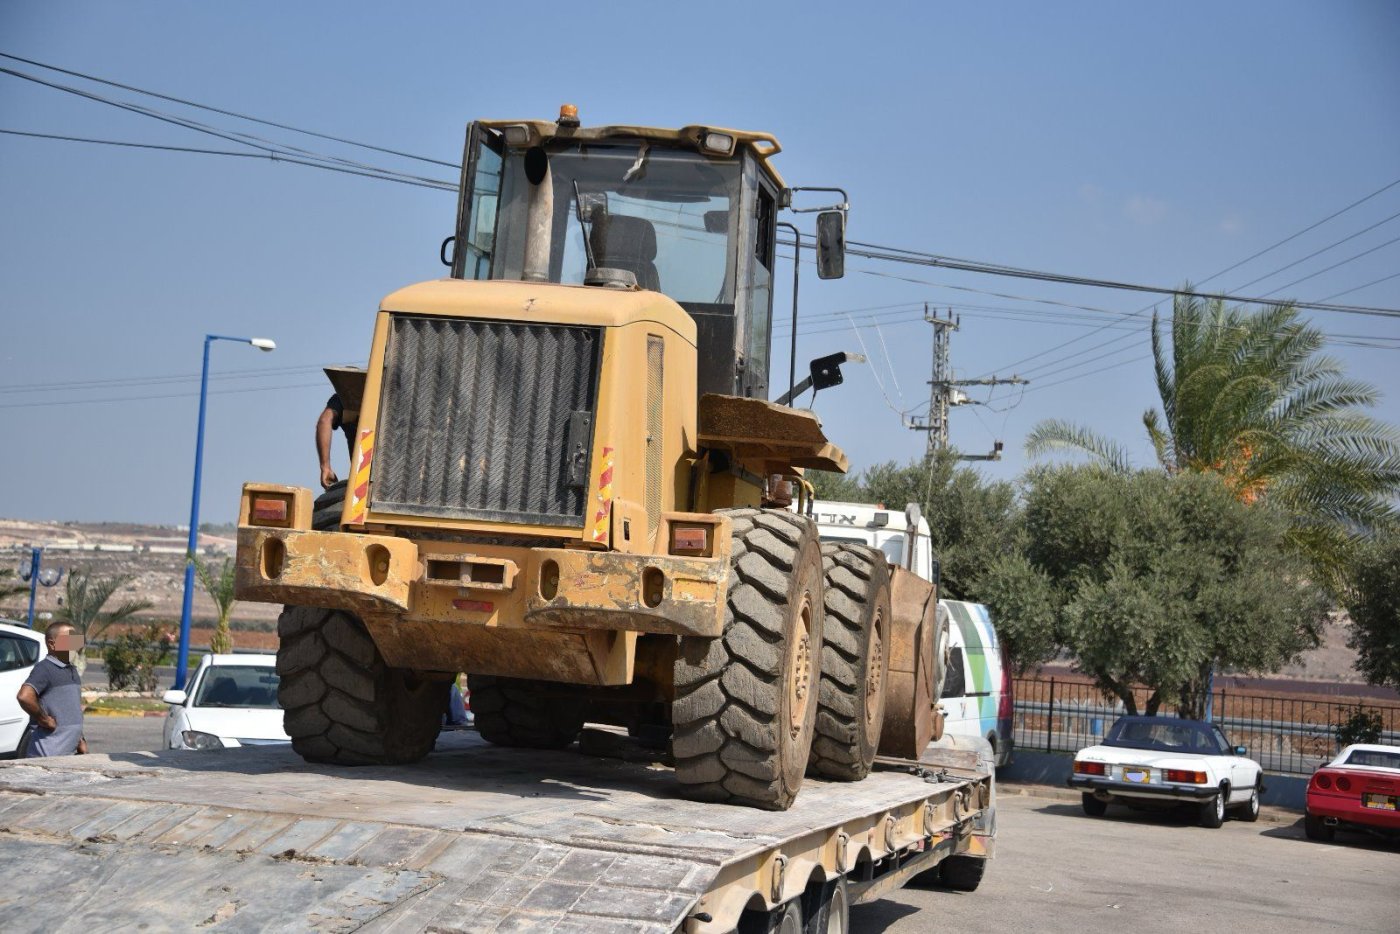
[(1220, 806), (837, 916), (800, 666), (791, 923), (1254, 801), (874, 676)]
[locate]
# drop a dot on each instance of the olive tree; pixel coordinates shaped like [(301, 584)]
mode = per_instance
[(1153, 579)]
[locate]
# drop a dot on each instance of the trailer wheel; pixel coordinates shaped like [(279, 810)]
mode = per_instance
[(745, 705), (829, 910), (515, 712), (341, 703), (855, 661), (962, 873)]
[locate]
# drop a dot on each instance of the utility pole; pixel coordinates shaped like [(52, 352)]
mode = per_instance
[(944, 393)]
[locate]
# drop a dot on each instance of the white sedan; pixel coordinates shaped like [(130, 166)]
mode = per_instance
[(231, 701), (20, 648), (1154, 762)]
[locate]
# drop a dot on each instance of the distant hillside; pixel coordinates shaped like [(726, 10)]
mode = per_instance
[(154, 554)]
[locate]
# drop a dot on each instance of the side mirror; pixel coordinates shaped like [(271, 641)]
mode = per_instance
[(717, 222), (1241, 751), (826, 371), (174, 697), (831, 244)]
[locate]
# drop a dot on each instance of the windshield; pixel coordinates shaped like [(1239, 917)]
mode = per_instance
[(238, 686), (665, 215), (1162, 734), (1376, 758)]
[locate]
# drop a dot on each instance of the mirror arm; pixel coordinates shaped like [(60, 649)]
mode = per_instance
[(844, 206), (792, 353)]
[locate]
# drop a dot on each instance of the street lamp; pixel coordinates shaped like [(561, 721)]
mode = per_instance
[(182, 663), (35, 577)]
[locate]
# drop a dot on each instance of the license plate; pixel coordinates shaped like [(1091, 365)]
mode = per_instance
[(1379, 802), (1132, 773)]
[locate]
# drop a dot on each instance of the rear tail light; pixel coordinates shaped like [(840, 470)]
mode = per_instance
[(270, 510), (1322, 780), (690, 540), (1089, 768), (1343, 783), (1187, 777), (1006, 706)]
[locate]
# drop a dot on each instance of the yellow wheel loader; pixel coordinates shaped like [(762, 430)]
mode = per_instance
[(568, 482)]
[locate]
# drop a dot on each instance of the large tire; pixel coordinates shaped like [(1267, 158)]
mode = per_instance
[(341, 703), (1249, 811), (1316, 829), (1212, 811), (855, 661), (516, 712), (326, 511), (745, 706)]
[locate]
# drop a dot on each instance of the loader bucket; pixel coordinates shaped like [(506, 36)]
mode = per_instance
[(917, 667)]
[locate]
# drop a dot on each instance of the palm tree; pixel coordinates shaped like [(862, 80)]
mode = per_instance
[(1250, 396), (219, 585), (83, 600)]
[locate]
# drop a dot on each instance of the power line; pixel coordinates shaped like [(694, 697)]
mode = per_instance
[(1358, 288), (1291, 237), (1335, 265), (284, 152), (1330, 246), (229, 113), (133, 381), (103, 400)]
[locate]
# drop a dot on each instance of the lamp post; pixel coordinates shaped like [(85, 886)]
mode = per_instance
[(35, 577), (182, 662)]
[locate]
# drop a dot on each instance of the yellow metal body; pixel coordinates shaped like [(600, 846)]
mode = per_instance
[(451, 594), (489, 612)]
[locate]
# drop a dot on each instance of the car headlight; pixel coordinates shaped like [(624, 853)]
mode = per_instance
[(197, 740)]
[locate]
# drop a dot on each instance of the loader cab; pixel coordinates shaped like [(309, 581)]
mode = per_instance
[(688, 213)]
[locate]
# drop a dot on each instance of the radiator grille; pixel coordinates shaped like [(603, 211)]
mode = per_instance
[(486, 420)]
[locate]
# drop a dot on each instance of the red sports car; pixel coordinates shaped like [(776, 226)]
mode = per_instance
[(1360, 789)]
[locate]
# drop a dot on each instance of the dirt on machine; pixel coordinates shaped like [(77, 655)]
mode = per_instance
[(567, 480)]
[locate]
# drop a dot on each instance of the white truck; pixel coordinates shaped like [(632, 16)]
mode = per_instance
[(474, 838)]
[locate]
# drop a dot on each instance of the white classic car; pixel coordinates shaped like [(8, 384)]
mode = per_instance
[(1157, 762)]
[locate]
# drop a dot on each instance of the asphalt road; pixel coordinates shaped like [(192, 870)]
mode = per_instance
[(122, 734), (1057, 870)]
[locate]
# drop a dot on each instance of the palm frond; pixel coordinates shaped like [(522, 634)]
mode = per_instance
[(1057, 435)]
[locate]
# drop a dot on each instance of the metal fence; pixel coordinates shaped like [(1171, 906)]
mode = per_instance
[(1287, 735)]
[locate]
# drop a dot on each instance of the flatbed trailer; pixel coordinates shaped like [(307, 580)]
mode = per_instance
[(474, 838)]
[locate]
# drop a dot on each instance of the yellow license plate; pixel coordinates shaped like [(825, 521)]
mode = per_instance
[(1134, 773), (1380, 802)]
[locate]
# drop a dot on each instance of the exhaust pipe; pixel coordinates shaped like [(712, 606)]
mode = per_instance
[(1330, 821)]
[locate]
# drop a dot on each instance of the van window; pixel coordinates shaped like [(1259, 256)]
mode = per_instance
[(955, 684)]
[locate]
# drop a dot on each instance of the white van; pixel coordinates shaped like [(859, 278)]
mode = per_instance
[(977, 692), (977, 695)]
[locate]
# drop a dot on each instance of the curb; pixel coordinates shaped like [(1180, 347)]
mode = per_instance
[(131, 714)]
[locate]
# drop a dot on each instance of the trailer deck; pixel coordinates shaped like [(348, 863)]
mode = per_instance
[(474, 838)]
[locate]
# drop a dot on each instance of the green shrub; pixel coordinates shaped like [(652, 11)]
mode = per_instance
[(133, 656), (1358, 726)]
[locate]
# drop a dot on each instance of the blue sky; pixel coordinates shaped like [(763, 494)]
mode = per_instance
[(1152, 143)]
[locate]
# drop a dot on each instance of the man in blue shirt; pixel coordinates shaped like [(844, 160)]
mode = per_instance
[(52, 695)]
